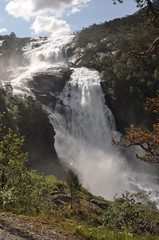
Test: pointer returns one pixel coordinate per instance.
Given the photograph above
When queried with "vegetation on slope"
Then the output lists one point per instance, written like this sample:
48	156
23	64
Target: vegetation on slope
127	80
64	206
147	140
60	204
28	117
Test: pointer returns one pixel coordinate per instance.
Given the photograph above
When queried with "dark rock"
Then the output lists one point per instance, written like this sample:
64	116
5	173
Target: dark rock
58	201
62	196
48	85
125	114
65	198
119	200
69	51
57	193
99	204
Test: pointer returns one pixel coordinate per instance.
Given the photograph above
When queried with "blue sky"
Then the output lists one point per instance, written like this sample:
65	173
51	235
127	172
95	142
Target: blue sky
49	17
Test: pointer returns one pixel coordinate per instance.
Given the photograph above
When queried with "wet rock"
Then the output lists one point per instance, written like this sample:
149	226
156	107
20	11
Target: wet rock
48	85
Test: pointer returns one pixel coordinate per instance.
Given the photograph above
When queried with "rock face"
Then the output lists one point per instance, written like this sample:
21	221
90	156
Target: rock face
47	85
126	116
14	227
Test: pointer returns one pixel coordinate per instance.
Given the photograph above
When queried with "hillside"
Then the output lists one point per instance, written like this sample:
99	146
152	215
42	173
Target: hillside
27	117
92	217
112	48
34	206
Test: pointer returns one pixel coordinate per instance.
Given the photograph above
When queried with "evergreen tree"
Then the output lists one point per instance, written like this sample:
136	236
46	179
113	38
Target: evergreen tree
73	185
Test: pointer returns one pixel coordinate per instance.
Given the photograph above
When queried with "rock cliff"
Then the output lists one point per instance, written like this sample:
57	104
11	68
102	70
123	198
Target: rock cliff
47	85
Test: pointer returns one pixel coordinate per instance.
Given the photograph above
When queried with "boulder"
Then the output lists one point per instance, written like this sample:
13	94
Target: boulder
99	204
48	85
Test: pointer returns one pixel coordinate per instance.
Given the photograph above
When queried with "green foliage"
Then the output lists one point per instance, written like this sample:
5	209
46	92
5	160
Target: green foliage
127	82
130	215
54	183
72	180
28	117
93	232
26	192
21	190
73	185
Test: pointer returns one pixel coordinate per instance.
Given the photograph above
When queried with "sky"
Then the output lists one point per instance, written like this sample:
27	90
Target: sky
49	17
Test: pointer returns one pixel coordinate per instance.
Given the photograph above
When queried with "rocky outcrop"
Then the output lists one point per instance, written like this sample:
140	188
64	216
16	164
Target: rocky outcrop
48	85
126	115
100	204
18	227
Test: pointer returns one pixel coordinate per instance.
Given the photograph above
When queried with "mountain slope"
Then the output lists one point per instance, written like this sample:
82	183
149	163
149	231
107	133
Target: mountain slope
112	48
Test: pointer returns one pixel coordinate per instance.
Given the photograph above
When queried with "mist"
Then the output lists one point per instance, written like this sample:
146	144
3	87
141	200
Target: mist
83	123
84	136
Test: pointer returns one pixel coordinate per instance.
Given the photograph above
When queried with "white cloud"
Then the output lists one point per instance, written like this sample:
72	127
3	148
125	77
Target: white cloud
75	10
2	30
44	24
20	8
30	8
46	13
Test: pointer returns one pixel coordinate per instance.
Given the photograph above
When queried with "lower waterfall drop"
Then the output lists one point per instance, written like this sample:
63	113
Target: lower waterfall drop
84	129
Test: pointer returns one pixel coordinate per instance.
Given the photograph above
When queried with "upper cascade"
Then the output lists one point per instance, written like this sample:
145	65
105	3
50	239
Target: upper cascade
45	53
40	55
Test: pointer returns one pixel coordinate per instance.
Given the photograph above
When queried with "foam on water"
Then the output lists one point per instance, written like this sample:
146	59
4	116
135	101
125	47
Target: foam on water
40	54
83	140
84	125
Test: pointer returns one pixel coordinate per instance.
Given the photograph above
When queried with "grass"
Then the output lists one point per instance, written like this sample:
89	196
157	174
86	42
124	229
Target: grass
88	231
56	184
86	220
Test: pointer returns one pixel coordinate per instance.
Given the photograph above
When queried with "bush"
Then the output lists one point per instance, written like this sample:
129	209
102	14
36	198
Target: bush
21	190
130	215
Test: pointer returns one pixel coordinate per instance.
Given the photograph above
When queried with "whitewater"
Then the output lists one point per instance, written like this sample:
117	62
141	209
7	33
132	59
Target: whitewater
85	126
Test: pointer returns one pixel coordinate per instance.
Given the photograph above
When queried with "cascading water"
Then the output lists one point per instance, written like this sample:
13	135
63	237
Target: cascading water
40	55
84	133
84	125
83	139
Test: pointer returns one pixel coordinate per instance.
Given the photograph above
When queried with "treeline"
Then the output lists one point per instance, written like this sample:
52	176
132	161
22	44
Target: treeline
128	79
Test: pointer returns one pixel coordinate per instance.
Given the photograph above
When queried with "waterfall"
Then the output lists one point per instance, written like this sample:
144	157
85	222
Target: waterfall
84	132
83	140
84	125
40	55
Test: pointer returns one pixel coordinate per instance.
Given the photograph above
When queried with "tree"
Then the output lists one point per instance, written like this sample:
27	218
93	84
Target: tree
147	140
21	190
73	185
152	15
12	35
151	9
142	3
